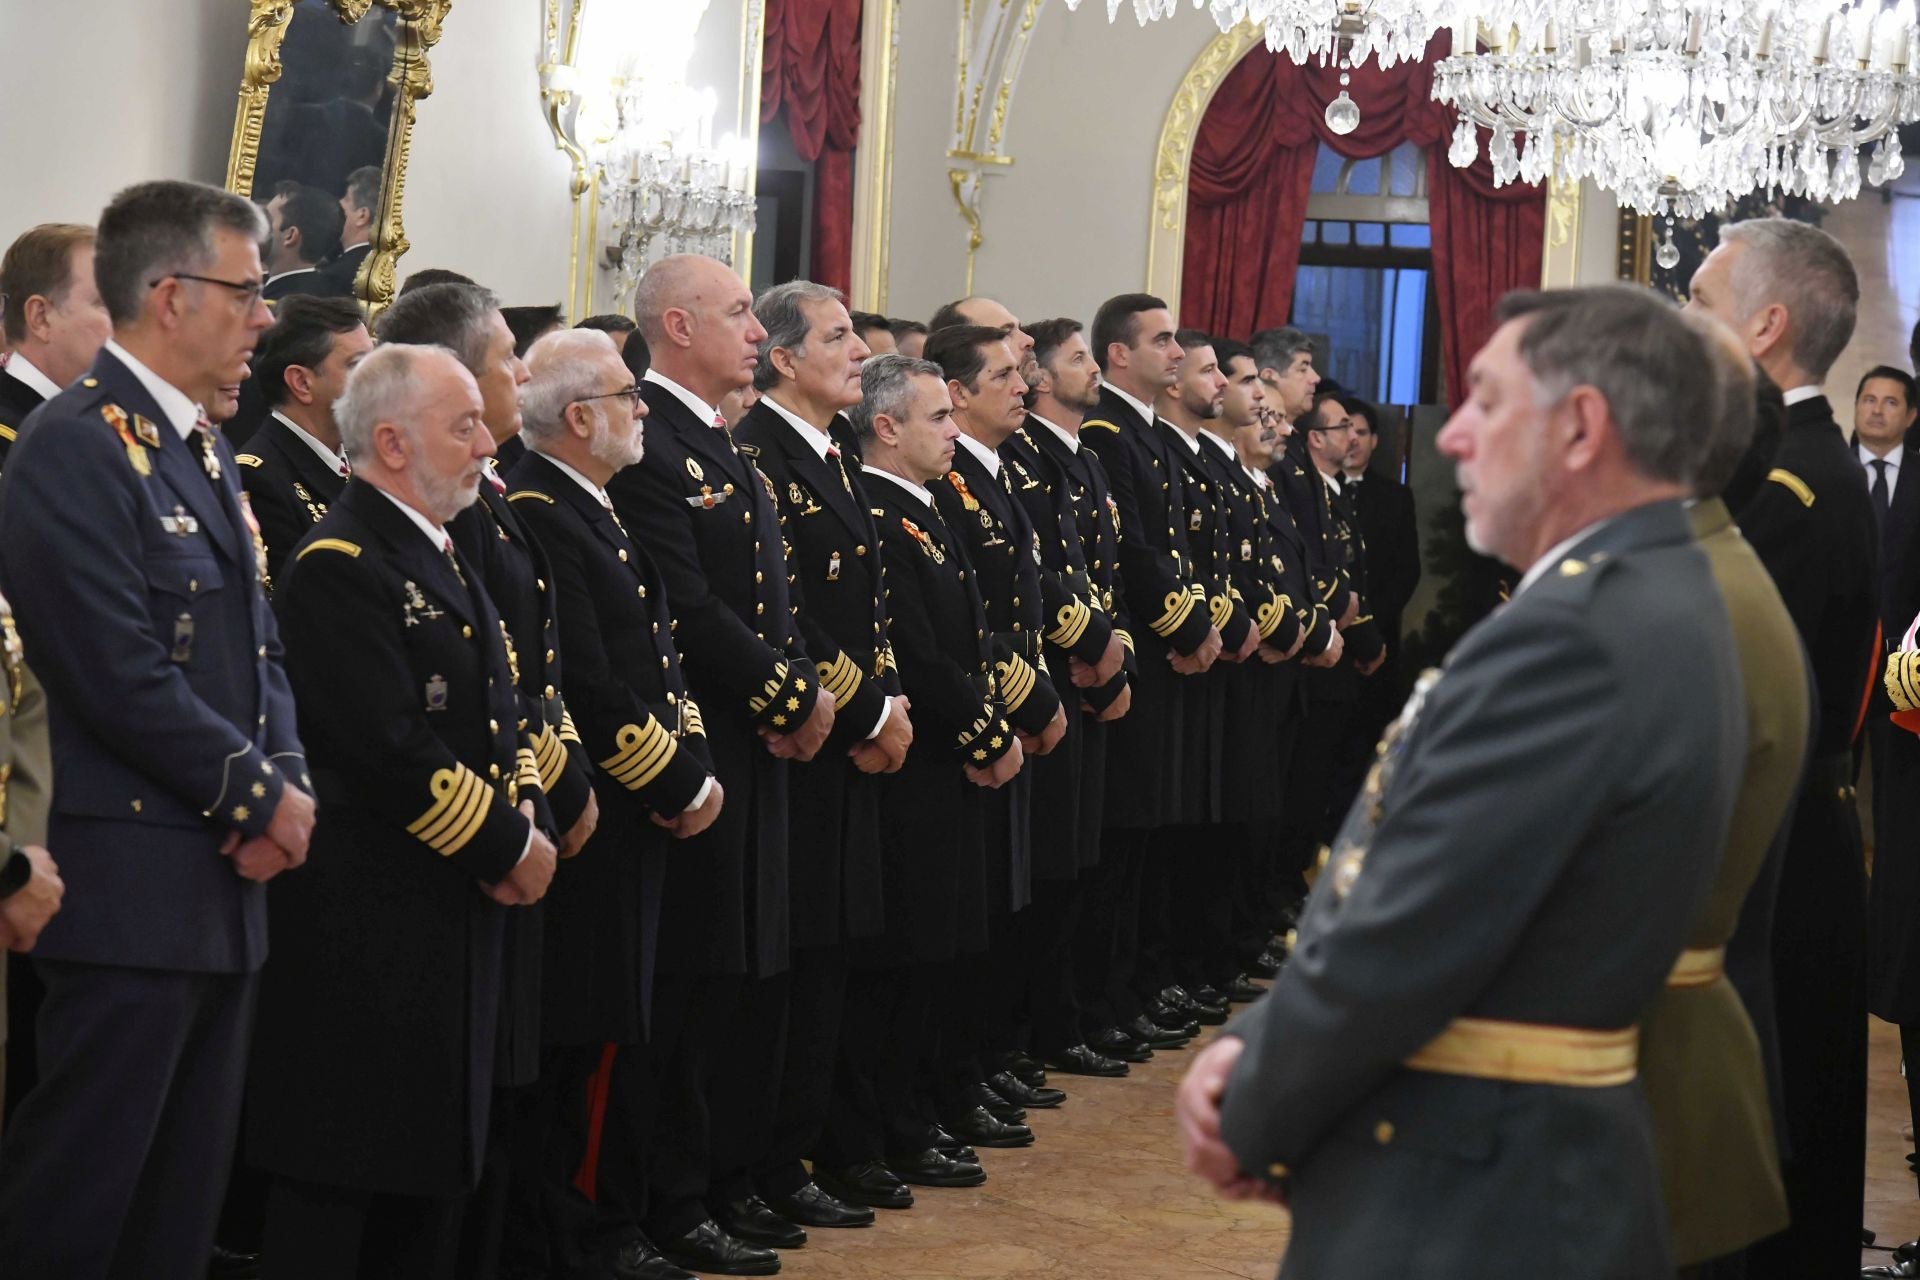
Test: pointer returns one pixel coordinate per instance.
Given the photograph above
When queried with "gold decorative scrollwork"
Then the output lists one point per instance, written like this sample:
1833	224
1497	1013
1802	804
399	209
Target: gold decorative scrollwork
1174	156
418	30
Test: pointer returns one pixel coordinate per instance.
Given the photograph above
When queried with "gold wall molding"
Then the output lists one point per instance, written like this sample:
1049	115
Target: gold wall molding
753	58
1566	212
873	177
417	31
1173	158
994	35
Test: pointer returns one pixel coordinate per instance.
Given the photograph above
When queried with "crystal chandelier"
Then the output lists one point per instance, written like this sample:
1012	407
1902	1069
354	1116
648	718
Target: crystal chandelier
1676	106
619	100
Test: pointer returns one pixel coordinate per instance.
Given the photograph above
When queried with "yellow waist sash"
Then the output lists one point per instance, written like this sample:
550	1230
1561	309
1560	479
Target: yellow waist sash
1699	967
1530	1053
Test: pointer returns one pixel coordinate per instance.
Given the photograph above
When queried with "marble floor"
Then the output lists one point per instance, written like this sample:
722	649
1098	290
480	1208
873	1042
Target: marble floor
1100	1195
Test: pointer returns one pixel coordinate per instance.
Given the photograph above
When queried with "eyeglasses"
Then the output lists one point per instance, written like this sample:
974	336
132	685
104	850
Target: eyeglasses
630	394
249	290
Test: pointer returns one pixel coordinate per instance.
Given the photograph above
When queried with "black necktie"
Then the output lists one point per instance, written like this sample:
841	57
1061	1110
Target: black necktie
1882	496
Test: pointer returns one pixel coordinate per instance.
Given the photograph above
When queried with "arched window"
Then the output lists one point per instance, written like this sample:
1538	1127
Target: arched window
1366	275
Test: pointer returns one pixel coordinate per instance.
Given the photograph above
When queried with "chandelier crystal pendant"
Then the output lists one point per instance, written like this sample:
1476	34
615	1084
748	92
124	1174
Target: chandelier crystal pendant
1676	106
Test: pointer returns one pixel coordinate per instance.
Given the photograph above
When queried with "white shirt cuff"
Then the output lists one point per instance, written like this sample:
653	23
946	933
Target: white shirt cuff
886	709
700	796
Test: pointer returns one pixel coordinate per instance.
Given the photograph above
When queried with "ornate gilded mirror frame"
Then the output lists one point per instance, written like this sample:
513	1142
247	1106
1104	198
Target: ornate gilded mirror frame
417	30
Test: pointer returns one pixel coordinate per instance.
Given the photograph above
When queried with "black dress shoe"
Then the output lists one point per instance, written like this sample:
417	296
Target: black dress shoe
232	1264
1117	1044
709	1250
1083	1061
751	1220
1243	990
1024	1068
984	1129
1905	1262
1020	1093
1195	1008
982	1095
931	1169
1166	1019
812	1207
639	1260
949	1146
871	1184
1211	997
1155	1036
1266	965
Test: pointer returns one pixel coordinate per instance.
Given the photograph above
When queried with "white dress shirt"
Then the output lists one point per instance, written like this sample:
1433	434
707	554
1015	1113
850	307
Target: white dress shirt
817	440
919	491
334	461
1067	438
24	369
175	405
988	458
700	408
1557	552
1868	457
1140	407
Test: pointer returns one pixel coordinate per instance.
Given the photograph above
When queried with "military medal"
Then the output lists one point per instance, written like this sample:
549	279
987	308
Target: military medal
136	455
833	567
1246	548
1193	520
926	544
967	500
693	469
209	459
436	693
180	524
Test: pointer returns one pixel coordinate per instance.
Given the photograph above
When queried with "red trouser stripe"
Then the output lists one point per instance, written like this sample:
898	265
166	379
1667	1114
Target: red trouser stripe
586	1179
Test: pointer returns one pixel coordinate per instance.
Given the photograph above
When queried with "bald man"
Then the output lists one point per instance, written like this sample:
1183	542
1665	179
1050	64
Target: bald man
708	517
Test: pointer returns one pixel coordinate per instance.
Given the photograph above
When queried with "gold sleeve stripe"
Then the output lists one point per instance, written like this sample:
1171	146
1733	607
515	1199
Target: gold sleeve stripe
1799	487
1072	624
643	754
329	544
1126	637
1016	681
567	732
839	677
518	494
550	757
1903	680
988	723
887	658
460	800
1220	609
1178	605
8	433
247	459
770	690
527	769
1268	616
691	717
1332	588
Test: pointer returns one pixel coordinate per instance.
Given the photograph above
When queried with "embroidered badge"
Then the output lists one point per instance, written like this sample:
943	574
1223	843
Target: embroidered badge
833	567
693	469
436	693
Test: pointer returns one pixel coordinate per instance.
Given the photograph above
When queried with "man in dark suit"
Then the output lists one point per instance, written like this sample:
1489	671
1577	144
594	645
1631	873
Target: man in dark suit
709	519
1790	292
1174	636
305	229
359	207
293	465
52	318
809	372
1385	522
934	812
1884	409
372	1111
1562	776
584	415
178	777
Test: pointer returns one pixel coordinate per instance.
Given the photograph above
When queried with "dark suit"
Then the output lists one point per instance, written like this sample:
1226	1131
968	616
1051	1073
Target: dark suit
833	810
933	819
137	586
312	282
1562	777
17	400
341	270
375	1060
288	487
708	518
623	682
1813	528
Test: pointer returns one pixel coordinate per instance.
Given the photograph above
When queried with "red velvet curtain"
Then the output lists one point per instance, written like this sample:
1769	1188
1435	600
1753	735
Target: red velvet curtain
812	71
1253	167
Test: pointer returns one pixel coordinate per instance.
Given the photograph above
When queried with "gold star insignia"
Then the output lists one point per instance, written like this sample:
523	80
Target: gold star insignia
979	755
259	790
995	740
800	686
241	813
793	704
779	720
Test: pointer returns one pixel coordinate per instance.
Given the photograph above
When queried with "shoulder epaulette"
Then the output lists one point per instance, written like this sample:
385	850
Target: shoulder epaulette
247	459
1101	423
1798	487
518	494
329	544
7	432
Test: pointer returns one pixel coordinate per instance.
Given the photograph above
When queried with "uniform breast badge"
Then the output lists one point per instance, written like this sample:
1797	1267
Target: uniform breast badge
801	498
927	544
833	567
182	651
180	524
417	606
967	500
136	454
693	469
436	693
1193	520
